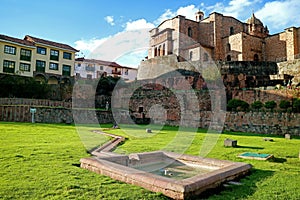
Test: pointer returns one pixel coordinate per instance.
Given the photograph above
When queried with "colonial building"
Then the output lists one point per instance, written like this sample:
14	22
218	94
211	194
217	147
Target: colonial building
45	60
93	69
223	38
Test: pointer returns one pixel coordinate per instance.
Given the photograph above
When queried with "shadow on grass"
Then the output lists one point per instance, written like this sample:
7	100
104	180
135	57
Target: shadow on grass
248	147
278	160
246	189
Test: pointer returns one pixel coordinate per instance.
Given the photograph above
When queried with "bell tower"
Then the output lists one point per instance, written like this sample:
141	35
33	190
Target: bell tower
199	16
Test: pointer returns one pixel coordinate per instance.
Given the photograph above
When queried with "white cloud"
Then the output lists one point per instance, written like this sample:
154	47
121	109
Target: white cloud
278	15
87	46
187	11
110	20
138	24
166	15
234	8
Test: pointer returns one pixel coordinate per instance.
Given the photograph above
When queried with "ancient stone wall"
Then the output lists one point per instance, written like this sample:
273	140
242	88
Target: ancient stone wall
264	95
292	68
18	110
275	48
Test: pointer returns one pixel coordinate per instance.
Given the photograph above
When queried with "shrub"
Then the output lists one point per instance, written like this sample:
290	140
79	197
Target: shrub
296	105
237	104
270	105
257	105
284	104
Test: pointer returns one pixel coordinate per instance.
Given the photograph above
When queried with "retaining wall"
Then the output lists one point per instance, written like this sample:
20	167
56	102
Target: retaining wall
277	123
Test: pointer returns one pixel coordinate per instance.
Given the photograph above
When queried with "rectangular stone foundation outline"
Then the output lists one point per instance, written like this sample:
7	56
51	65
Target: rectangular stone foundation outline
117	167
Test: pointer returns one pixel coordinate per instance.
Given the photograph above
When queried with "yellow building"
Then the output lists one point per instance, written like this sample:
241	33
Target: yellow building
44	60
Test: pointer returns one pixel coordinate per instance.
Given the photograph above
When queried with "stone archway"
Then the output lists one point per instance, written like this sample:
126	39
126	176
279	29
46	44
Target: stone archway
52	80
40	78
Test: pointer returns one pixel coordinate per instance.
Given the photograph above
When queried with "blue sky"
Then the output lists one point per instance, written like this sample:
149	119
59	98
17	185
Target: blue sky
86	24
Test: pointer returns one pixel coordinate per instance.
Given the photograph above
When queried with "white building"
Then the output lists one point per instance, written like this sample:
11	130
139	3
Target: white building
92	69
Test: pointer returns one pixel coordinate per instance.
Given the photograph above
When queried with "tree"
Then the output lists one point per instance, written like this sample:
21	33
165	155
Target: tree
270	105
257	105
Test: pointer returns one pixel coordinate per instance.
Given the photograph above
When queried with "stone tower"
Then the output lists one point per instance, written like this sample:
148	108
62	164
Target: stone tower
256	27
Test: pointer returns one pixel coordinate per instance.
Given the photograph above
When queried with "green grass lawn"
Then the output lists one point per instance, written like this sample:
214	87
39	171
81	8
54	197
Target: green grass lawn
40	161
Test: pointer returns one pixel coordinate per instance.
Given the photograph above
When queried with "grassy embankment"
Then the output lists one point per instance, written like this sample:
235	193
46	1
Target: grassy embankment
40	161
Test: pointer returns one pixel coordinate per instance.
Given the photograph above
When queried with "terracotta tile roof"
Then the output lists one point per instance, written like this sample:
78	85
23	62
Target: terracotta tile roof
16	40
50	43
100	62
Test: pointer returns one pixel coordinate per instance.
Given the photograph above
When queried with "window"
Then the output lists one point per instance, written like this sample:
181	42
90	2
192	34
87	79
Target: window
101	67
191	55
231	30
228	47
24	67
90	68
53	55
159	51
190	33
89	76
53	66
228	58
40	66
256	58
126	72
25	54
66	70
41	50
9	66
67	56
10	49
163	49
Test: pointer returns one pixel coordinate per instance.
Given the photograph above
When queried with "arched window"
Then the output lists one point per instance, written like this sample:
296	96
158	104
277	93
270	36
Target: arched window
155	51
158	51
228	58
256	58
190	32
191	55
228	47
231	30
163	49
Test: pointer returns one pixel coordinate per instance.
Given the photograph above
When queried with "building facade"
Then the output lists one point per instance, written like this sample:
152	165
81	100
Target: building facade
223	38
94	69
45	60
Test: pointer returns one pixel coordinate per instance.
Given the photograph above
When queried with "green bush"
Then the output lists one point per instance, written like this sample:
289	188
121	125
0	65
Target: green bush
237	104
296	105
257	105
284	104
270	105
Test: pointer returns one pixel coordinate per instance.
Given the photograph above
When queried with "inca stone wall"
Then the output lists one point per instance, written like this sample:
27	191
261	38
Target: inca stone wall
258	122
291	68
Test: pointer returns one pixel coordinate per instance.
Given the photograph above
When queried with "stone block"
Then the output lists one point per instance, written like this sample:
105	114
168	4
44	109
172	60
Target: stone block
148	130
230	143
287	136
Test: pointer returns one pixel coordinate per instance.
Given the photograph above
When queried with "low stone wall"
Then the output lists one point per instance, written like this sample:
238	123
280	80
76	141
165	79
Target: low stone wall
276	123
34	102
21	113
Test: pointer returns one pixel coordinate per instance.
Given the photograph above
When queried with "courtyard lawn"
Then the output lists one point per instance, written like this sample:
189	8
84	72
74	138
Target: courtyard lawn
40	161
